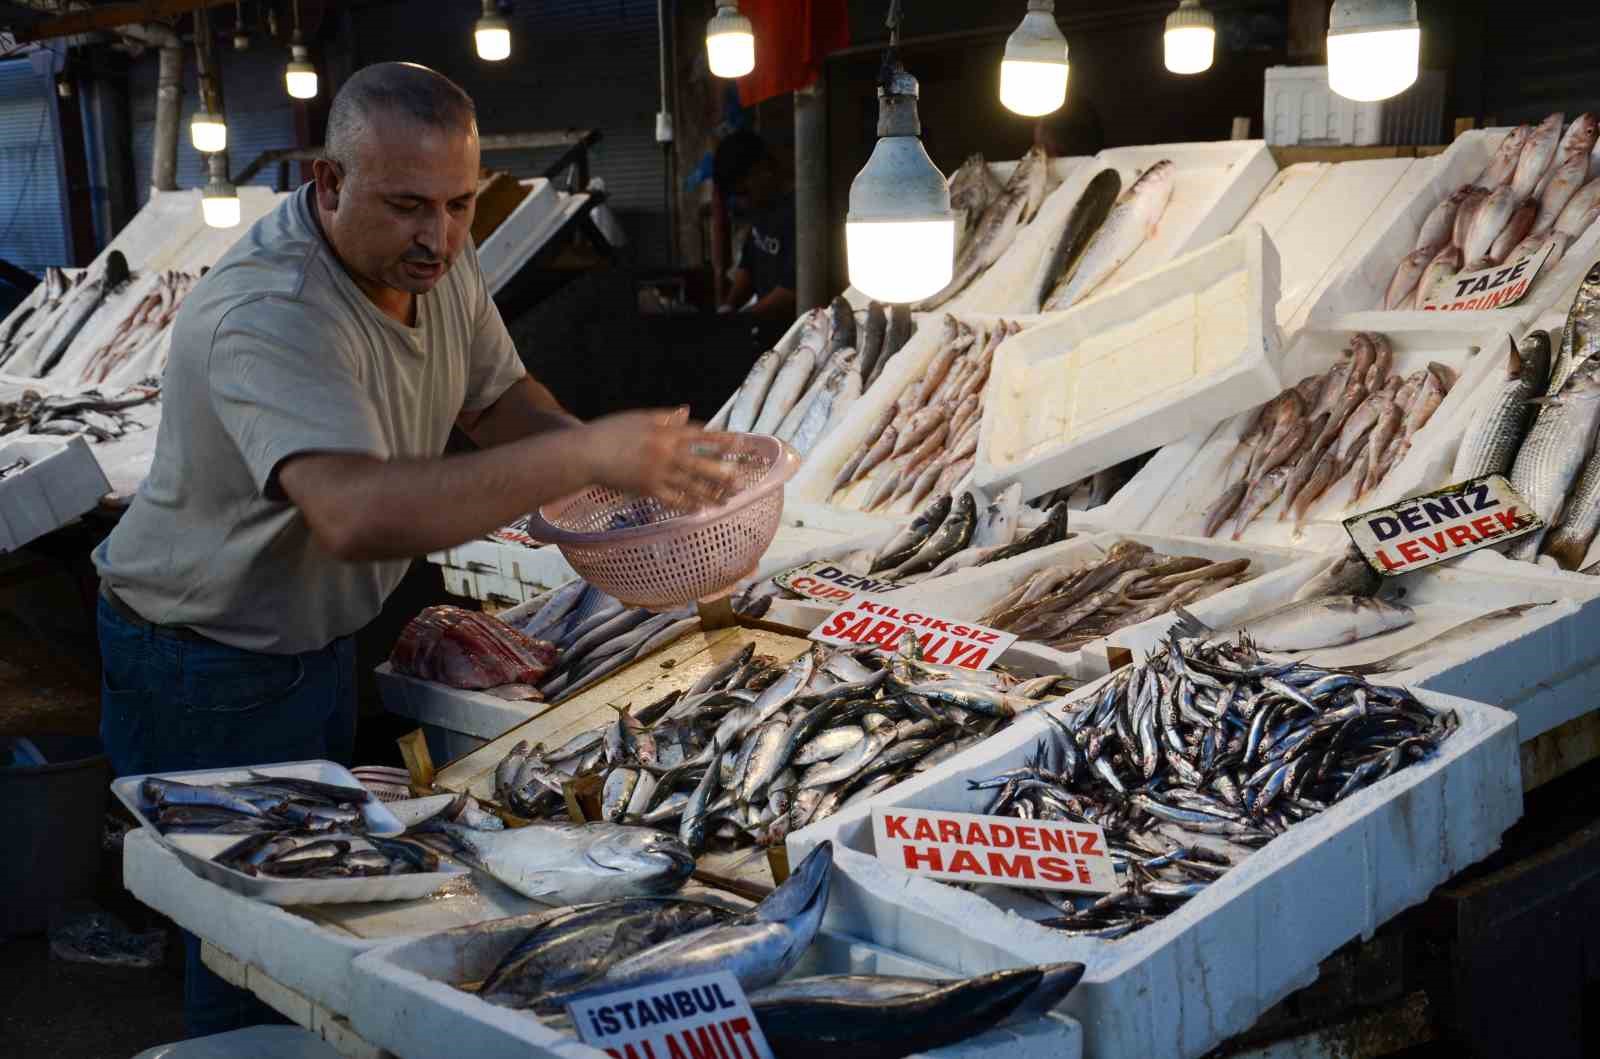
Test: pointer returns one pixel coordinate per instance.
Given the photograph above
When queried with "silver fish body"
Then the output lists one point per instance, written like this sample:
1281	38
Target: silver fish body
1126	228
789	384
747	403
574	863
1087	215
1554	452
1500	423
1537	155
1328	621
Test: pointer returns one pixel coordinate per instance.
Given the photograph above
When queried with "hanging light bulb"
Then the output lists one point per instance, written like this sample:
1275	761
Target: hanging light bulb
208	132
493	34
241	36
1372	48
1033	74
730	42
219	202
299	77
900	233
1191	38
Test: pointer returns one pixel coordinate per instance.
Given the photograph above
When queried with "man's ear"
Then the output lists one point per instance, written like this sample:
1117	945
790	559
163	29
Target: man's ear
329	178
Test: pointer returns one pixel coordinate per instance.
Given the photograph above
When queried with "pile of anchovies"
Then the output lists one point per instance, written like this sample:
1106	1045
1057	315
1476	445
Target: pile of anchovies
102	417
294	827
1199	755
756	749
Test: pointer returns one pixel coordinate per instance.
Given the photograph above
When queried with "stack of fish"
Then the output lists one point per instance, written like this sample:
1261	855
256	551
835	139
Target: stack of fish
1101	236
1073	604
32	324
802	395
755	749
1355	421
572	953
102	417
1537	424
1199	755
139	345
16	466
990	216
925	443
293	827
1540	189
950	534
596	634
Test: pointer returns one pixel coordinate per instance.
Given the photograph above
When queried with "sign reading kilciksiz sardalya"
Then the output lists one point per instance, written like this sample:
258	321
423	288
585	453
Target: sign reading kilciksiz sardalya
867	621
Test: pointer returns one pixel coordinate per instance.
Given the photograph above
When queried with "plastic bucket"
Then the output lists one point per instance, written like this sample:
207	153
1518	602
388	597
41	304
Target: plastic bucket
55	814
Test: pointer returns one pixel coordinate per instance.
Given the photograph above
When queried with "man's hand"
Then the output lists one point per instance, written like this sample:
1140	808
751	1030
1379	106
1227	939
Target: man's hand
657	454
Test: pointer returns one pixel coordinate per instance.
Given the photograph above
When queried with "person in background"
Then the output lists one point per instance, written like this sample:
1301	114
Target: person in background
757	190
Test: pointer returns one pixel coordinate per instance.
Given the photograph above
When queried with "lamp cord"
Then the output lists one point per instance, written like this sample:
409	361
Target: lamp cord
891	54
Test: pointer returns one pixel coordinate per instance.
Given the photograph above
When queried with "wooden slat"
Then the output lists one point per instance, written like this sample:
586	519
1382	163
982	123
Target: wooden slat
1560	750
109	16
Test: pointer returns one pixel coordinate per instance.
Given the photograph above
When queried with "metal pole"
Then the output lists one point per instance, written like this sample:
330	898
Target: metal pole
169	106
812	230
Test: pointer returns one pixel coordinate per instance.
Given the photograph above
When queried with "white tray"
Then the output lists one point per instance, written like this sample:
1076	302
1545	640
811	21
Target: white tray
196	851
61	482
1354	301
1207	972
1164	361
1171	493
405	1000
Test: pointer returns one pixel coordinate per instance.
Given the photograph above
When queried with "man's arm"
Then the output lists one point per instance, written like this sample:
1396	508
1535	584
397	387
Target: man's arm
526	409
778	303
361	508
743	286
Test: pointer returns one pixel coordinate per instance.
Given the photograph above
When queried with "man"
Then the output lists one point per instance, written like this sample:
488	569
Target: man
314	377
755	188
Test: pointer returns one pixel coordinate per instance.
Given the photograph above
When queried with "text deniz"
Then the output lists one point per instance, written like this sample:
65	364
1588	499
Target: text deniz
830	583
703	1017
867	621
1442	525
965	847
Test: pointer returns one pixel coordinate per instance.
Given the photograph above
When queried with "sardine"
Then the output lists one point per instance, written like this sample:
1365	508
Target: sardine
786	389
1501	421
1131	222
747	403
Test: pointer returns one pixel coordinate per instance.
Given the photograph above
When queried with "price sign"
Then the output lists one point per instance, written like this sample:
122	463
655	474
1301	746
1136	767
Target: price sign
1489	288
706	1015
966	847
1441	525
867	621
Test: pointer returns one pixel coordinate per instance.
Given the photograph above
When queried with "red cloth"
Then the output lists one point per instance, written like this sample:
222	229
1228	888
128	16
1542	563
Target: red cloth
792	39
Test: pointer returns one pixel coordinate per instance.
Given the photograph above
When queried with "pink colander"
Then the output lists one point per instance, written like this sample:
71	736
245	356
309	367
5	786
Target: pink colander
649	555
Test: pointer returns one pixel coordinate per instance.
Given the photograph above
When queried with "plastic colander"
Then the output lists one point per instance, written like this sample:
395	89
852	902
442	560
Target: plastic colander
649	555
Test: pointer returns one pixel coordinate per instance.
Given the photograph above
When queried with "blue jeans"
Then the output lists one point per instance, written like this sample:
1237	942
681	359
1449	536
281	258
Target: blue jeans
169	703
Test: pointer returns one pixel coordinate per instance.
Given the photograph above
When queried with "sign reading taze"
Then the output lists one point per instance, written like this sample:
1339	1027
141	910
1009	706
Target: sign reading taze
1487	288
703	1017
965	847
1441	525
865	621
830	582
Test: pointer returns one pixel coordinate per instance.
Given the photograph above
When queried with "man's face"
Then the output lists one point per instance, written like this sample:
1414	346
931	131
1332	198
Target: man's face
759	189
399	216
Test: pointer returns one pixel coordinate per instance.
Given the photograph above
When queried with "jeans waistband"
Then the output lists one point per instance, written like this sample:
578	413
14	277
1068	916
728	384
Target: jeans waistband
133	617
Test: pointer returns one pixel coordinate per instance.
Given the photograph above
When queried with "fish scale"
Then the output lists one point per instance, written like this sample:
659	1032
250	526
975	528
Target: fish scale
1554	452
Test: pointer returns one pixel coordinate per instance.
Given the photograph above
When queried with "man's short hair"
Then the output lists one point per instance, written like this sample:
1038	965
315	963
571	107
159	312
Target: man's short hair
736	155
404	90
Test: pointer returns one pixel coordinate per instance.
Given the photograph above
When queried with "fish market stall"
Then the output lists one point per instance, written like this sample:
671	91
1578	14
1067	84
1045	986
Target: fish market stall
1190	962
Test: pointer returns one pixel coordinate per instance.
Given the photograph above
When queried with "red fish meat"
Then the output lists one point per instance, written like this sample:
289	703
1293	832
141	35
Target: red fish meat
467	649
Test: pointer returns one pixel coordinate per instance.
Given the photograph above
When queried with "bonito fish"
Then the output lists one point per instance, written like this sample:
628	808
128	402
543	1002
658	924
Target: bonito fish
1087	215
1495	433
573	863
1131	222
1555	450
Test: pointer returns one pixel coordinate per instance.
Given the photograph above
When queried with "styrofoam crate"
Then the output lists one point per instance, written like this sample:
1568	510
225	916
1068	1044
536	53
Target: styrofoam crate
1354	301
1171	493
1321	214
506	248
62	481
458	582
1193	342
1300	108
1207	972
405	999
472	713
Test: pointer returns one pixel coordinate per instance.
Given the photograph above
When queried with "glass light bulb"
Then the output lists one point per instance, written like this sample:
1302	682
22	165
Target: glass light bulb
1033	89
209	133
1190	48
494	43
731	54
900	261
220	211
301	82
1372	66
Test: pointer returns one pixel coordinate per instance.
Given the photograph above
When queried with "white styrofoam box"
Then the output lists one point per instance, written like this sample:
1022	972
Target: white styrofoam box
1206	972
500	253
1216	184
307	947
809	499
1354	301
199	851
539	568
1193	342
1318	214
61	482
169	231
458	582
472	713
405	999
1300	108
1172	493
